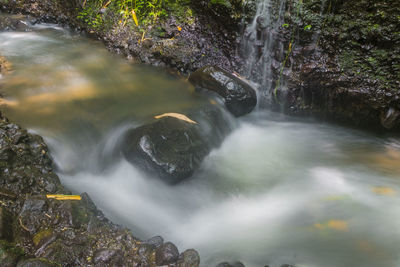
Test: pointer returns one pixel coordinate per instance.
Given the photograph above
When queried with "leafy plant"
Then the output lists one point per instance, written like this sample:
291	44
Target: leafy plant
136	12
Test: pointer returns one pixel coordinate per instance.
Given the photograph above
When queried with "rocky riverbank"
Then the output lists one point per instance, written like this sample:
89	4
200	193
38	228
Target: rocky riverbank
192	38
39	231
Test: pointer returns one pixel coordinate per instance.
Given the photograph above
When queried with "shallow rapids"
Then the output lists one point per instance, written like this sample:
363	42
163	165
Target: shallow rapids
278	191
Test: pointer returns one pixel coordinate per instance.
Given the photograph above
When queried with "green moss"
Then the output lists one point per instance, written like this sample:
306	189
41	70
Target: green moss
224	3
42	235
7	250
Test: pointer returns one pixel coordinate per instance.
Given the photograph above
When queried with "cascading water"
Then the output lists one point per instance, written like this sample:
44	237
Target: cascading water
278	191
262	45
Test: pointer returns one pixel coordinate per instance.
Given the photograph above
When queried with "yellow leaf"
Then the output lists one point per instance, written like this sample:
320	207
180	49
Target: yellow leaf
134	17
179	28
175	115
337	225
387	191
64	197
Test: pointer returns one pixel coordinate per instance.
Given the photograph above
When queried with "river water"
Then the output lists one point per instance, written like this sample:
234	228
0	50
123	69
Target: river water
278	190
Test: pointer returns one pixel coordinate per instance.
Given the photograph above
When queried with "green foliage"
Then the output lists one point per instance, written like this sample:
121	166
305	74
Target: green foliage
135	12
225	3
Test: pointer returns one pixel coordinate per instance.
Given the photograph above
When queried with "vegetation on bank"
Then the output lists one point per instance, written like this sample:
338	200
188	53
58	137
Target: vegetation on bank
101	14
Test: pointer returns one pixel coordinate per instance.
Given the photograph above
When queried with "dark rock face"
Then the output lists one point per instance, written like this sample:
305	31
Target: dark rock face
346	66
166	254
240	97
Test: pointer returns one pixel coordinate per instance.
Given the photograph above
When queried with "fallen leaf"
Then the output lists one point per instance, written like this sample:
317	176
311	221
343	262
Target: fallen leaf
64	197
386	191
179	28
176	115
337	225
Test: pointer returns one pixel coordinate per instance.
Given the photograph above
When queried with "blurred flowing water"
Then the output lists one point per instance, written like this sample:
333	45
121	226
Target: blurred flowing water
279	190
262	45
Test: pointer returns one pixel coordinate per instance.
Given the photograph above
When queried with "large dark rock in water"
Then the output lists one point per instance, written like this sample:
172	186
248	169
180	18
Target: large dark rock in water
172	147
240	97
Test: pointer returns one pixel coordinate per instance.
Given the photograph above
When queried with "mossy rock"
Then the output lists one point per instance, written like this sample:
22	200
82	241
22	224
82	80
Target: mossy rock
9	254
42	236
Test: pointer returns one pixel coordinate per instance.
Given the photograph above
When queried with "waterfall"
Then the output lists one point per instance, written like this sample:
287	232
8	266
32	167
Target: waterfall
262	46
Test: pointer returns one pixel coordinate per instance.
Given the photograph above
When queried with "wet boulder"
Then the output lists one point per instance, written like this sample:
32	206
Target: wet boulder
170	148
189	258
239	96
14	23
167	254
155	241
174	146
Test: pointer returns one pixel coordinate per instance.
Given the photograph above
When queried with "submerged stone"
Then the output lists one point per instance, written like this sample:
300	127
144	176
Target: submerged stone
239	96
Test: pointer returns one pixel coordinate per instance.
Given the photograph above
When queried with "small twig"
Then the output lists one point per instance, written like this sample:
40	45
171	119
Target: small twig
22	225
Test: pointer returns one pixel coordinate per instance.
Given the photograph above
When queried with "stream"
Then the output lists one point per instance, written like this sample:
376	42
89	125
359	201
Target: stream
279	190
